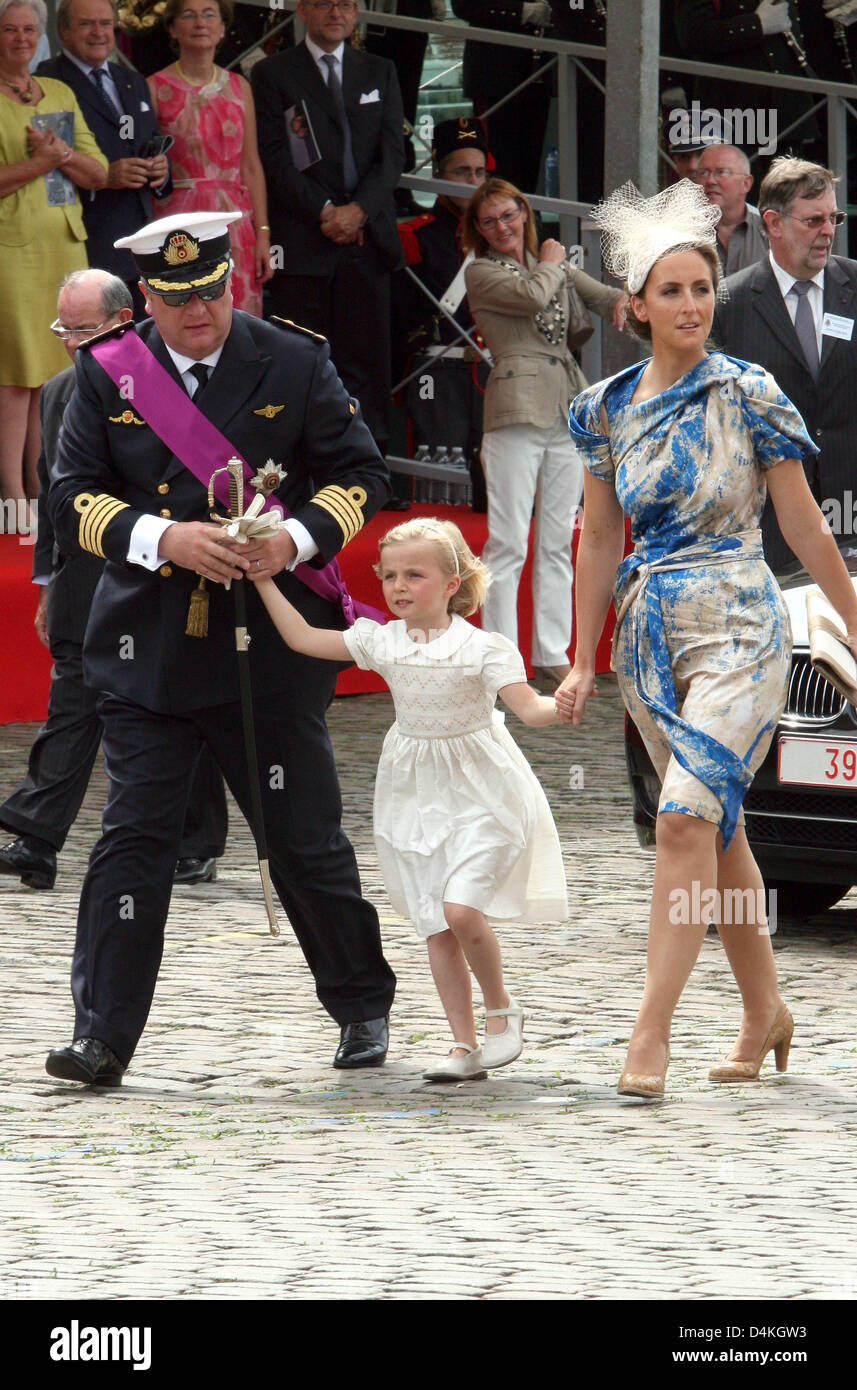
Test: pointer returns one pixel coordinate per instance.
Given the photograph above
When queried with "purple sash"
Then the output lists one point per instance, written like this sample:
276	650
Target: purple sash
199	445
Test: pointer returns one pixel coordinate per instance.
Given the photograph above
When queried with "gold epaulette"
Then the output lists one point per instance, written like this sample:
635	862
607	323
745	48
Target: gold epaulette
299	328
345	506
96	511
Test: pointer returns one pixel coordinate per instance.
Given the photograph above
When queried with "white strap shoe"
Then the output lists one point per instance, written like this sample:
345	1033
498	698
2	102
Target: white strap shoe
469	1068
499	1049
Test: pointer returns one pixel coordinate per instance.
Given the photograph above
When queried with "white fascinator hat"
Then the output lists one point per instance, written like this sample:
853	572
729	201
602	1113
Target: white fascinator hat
637	231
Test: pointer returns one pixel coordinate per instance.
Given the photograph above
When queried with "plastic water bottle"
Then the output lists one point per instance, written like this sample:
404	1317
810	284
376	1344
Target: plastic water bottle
552	173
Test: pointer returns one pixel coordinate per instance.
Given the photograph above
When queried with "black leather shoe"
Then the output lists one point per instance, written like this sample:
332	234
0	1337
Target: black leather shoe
195	871
362	1044
35	868
87	1060
397	504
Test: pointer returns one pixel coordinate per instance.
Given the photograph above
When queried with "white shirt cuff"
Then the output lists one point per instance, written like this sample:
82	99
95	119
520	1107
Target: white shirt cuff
144	542
307	547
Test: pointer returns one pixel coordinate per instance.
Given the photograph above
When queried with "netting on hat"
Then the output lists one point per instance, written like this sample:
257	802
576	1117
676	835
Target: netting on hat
637	231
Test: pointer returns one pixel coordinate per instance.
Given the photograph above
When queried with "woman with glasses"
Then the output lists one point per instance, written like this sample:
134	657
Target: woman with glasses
519	295
215	158
47	152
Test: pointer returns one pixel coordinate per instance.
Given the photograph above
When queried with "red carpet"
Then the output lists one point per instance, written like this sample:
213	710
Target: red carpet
27	665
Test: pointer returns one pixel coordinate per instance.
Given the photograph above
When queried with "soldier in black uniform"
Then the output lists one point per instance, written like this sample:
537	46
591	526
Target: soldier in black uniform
119	492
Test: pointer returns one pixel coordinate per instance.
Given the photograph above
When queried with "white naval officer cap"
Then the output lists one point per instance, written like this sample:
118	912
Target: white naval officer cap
185	251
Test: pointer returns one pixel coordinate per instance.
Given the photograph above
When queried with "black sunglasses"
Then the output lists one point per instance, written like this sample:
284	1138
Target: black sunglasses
179	297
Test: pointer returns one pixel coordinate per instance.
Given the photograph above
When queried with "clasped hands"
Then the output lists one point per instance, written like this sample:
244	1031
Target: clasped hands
133	172
343	224
258	547
46	147
570	699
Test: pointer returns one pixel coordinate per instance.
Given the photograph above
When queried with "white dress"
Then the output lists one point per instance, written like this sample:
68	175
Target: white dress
459	815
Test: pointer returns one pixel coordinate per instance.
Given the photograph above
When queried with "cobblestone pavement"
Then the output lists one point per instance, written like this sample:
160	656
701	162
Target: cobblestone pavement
236	1163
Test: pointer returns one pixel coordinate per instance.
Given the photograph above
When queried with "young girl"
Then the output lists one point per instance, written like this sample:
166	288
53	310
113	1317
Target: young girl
463	829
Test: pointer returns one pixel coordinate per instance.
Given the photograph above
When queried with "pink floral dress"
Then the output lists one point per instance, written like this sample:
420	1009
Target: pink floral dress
207	124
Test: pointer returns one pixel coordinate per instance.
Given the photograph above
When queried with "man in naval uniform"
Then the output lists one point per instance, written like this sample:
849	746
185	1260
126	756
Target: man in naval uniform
119	492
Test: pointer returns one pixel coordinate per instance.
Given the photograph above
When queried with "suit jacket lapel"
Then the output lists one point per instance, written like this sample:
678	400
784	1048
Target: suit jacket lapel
241	366
838	299
317	89
87	93
235	379
770	304
125	90
352	78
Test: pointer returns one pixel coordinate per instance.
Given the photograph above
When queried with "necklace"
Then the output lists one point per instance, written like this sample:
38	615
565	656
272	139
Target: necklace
27	94
206	82
550	321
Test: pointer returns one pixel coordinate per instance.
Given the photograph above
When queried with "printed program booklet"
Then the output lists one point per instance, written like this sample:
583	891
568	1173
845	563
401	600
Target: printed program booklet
302	142
60	188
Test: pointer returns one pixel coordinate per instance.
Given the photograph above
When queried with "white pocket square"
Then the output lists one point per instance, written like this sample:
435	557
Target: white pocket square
366	97
144	106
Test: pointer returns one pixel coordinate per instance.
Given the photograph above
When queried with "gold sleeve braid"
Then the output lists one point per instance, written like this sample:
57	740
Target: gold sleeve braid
96	511
345	506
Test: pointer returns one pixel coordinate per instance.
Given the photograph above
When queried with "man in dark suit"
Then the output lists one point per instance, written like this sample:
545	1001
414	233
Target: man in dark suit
335	221
793	312
115	102
43	809
120	492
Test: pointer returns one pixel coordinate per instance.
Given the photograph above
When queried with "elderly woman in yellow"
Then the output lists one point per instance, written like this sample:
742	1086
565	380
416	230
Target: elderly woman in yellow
46	149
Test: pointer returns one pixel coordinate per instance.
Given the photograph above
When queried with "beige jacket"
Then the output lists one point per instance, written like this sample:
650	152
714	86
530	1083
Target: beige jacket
533	381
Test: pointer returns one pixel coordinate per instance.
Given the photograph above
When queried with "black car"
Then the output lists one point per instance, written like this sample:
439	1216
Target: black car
801	809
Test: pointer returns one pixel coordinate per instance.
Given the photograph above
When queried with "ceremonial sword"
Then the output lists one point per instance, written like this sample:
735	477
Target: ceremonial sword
235	469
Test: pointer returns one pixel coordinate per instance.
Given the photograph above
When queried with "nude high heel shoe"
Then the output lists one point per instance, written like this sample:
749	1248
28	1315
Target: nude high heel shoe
779	1038
650	1085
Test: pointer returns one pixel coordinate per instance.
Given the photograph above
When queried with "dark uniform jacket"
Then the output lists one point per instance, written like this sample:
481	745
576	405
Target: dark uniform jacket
74	573
276	396
373	104
729	32
432	247
112	213
754	324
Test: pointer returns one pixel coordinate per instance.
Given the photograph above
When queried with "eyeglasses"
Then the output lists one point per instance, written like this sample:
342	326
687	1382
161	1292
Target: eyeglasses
178	297
702	174
207	15
328	6
61	330
487	224
463	173
815	223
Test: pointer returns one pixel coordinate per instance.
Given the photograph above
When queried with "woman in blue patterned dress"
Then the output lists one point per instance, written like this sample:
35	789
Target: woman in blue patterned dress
686	443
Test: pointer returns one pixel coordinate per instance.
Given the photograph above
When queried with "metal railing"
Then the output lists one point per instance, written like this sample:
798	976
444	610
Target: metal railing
836	99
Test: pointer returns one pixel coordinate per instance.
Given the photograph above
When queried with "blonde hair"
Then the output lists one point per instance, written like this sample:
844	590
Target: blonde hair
454	557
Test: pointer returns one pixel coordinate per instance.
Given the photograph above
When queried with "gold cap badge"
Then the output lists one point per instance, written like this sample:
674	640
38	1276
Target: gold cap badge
180	249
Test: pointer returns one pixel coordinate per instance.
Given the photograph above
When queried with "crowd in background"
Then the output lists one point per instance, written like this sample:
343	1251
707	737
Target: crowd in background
198	140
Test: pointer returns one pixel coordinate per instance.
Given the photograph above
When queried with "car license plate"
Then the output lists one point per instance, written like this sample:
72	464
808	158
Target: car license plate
817	762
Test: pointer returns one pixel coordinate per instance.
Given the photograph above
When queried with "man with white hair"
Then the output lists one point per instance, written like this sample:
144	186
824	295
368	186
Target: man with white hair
724	173
43	809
